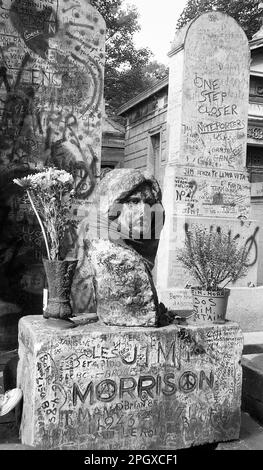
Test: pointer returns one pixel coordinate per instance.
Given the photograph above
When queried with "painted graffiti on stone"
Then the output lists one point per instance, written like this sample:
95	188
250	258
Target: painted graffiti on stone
141	388
226	195
51	92
215	98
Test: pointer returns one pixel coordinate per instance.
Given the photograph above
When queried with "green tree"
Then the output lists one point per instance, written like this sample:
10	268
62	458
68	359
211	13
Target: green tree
245	12
125	67
155	71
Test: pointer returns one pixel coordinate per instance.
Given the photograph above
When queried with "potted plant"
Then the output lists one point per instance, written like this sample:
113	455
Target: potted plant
50	193
214	258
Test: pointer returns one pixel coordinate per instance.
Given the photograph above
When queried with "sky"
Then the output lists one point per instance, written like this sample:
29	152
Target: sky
158	20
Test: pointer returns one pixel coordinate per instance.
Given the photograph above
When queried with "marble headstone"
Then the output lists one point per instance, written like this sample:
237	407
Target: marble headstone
206	181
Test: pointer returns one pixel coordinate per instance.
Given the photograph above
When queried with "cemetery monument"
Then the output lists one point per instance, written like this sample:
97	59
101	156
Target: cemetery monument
111	385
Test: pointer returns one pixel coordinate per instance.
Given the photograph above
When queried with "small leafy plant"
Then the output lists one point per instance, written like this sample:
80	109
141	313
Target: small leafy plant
213	257
50	193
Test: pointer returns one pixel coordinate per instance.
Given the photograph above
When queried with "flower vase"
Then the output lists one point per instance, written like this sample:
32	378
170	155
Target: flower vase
59	279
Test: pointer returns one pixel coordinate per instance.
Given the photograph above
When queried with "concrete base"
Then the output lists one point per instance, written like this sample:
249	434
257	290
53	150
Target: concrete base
98	387
251	436
252	391
245	306
253	342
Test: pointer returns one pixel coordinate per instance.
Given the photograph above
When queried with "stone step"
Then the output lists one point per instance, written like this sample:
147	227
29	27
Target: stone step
245	307
253	342
252	390
251	436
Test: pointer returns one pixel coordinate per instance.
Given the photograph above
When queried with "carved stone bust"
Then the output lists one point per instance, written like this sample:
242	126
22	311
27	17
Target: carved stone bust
117	249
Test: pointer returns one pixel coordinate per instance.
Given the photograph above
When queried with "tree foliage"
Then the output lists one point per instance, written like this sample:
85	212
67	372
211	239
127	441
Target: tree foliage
155	71
126	65
245	12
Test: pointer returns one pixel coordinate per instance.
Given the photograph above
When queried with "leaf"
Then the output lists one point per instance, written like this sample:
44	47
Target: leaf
213	257
128	69
245	12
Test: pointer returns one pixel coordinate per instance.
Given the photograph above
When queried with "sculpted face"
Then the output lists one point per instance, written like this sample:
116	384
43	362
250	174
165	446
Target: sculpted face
126	222
130	210
136	215
140	222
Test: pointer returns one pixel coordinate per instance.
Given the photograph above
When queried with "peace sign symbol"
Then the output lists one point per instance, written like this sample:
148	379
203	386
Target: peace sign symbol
106	390
188	382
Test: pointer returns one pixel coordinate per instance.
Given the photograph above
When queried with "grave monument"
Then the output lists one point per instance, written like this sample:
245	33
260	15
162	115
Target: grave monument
51	99
123	382
205	180
107	387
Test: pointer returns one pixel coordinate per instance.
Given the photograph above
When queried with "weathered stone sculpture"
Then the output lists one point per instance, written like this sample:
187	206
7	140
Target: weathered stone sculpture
117	250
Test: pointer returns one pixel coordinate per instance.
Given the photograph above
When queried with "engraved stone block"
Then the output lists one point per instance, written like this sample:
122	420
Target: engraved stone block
98	387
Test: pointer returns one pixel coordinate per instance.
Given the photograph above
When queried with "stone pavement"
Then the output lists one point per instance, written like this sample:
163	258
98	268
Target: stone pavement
251	436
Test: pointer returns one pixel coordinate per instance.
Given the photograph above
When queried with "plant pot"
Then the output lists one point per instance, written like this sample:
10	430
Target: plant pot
209	306
59	278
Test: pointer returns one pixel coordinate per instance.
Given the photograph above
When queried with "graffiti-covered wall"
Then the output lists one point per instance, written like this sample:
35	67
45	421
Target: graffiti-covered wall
51	94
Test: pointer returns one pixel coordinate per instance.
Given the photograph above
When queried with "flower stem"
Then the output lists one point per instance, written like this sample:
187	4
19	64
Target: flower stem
40	223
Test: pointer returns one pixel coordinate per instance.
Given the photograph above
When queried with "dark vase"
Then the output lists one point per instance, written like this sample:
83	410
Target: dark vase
59	278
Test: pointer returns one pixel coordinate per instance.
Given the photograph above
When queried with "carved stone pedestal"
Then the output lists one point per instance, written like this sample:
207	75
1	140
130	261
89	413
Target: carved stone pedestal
99	387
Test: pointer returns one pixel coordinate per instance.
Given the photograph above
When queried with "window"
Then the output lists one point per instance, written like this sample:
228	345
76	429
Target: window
154	150
255	163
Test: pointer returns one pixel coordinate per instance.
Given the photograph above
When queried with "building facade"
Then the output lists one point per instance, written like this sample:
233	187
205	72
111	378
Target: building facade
113	142
146	130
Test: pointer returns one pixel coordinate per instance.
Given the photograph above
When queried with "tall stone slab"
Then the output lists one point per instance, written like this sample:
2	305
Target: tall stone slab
206	181
52	55
51	99
93	387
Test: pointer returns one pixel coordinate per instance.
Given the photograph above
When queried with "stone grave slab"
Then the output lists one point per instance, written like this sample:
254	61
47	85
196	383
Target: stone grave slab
98	387
51	107
205	177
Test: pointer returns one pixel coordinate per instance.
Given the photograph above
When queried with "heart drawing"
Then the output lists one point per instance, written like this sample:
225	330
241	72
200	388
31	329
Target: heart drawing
34	26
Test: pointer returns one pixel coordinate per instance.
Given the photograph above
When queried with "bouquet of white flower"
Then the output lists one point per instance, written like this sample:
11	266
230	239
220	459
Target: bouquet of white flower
50	193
